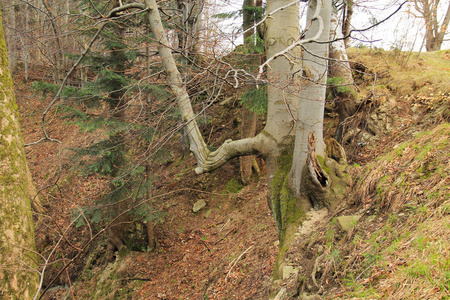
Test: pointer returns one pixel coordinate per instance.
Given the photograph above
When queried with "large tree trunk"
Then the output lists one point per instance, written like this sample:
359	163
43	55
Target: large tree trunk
312	97
284	83
285	122
18	279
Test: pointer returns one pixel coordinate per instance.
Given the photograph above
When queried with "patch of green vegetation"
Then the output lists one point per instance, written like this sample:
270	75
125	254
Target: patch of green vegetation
445	209
234	186
426	149
330	235
340	85
382	184
359	290
401	148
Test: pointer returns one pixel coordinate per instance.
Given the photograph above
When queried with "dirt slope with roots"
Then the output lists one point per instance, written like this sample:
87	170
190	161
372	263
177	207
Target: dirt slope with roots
398	244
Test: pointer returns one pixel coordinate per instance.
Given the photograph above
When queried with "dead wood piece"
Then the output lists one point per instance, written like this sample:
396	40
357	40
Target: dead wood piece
318	175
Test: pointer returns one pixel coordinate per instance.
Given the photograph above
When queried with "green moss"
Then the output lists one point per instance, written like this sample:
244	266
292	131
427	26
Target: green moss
16	223
284	163
321	161
285	207
340	85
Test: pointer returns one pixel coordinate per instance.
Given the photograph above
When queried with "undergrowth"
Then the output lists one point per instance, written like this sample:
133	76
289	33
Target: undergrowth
400	249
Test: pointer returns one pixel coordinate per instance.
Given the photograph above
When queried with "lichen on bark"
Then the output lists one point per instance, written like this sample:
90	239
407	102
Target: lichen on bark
18	279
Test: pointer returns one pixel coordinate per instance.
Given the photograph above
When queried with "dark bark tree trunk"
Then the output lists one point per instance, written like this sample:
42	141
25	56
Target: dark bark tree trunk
248	164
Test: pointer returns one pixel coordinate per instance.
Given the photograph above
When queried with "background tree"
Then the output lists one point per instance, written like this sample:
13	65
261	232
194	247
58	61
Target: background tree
340	72
252	13
113	94
434	32
347	14
18	279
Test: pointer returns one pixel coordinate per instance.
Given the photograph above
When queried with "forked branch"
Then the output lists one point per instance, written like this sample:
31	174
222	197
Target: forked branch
206	160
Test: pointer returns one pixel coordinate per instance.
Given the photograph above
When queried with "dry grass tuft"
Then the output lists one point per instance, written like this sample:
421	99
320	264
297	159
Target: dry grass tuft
414	173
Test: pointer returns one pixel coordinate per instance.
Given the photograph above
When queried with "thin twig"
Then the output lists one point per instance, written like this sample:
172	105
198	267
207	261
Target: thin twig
235	262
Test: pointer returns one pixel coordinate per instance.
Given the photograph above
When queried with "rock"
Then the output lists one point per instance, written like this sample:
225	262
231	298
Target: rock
347	222
288	270
198	205
207	213
320	249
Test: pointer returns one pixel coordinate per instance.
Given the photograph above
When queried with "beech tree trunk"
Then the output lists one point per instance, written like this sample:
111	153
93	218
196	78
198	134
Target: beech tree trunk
292	141
18	280
312	96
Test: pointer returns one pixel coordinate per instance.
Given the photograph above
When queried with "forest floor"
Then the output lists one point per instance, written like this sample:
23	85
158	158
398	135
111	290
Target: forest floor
399	248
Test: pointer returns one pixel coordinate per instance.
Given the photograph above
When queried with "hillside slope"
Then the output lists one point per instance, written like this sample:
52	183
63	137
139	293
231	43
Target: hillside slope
391	238
397	245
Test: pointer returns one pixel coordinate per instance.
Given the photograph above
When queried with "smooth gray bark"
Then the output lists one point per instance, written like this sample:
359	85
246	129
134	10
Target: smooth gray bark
312	96
296	98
